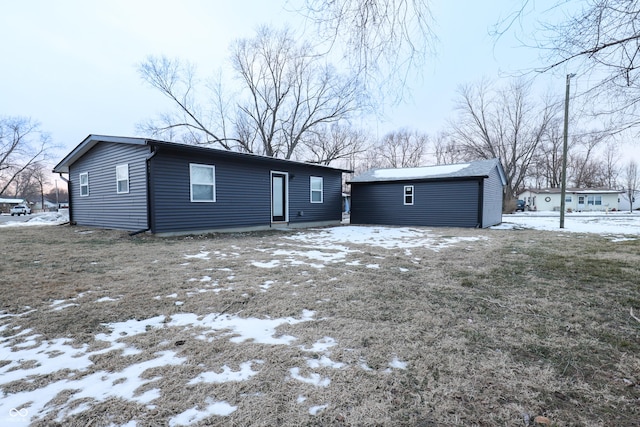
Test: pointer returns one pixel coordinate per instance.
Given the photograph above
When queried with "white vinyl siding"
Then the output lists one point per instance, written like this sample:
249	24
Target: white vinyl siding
122	179
408	194
203	183
317	185
84	184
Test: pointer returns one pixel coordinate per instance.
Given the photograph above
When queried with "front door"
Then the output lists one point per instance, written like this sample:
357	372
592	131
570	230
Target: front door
581	203
278	196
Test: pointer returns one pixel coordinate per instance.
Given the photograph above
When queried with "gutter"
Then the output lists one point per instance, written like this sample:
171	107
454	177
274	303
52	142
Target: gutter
69	192
151	155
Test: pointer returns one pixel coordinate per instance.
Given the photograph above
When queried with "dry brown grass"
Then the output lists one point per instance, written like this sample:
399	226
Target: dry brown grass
493	332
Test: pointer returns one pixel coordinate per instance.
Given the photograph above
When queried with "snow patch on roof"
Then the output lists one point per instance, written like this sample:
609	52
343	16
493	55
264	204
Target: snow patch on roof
419	172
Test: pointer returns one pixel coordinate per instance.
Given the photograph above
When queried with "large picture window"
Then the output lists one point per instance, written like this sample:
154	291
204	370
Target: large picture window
84	184
316	189
594	200
203	183
408	194
122	178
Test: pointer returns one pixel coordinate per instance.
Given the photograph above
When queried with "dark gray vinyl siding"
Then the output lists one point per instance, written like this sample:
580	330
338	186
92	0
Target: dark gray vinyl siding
104	207
243	193
492	200
300	207
436	203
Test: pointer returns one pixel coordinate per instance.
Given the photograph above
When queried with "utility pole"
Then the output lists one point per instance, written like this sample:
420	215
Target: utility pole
563	188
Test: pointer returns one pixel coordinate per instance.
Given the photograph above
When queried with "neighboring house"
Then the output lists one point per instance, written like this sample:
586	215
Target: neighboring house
48	205
576	199
623	201
6	204
140	185
461	195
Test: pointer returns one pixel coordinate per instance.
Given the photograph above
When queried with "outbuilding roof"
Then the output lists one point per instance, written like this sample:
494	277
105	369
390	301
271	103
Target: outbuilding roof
90	141
474	169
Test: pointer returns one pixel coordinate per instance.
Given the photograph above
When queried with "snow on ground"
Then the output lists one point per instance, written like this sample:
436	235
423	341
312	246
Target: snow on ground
26	355
617	225
47	218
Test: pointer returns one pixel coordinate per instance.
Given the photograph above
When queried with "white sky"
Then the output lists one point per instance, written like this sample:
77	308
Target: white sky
72	64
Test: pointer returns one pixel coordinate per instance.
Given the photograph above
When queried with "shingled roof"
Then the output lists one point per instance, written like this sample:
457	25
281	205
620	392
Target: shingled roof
475	169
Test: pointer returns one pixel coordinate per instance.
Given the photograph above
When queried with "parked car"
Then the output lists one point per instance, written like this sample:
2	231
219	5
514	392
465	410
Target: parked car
520	206
20	210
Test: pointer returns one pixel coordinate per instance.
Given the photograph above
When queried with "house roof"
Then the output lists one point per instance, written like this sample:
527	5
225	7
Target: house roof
573	191
475	169
9	201
91	140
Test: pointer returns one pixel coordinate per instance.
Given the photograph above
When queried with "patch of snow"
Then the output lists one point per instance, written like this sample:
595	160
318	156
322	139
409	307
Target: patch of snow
271	264
200	255
227	374
105	299
193	415
397	364
420	172
314	410
324	361
321	345
313	378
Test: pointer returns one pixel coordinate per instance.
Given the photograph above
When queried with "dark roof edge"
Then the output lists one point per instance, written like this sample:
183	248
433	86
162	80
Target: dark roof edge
238	154
91	140
442	178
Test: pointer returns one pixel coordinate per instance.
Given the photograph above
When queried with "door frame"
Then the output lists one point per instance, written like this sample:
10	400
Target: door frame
285	201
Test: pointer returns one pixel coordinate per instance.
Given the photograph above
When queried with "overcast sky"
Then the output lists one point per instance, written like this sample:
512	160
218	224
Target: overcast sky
72	64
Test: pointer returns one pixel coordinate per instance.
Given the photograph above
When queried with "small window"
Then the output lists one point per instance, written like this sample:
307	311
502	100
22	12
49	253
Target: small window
203	183
84	184
567	199
408	194
122	178
598	200
316	189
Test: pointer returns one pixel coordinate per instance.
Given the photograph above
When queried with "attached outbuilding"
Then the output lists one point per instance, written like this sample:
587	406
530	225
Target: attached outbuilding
459	195
140	184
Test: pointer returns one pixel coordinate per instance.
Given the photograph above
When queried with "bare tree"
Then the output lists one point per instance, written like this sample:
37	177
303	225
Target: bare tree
22	144
290	91
599	39
632	181
501	123
546	166
584	165
445	150
287	95
610	165
335	142
401	149
382	40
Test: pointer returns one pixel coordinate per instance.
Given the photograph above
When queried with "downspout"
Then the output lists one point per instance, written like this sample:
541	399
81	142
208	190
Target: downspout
153	152
69	193
480	202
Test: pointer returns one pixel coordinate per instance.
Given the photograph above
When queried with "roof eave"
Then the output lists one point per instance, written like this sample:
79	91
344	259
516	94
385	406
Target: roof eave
87	144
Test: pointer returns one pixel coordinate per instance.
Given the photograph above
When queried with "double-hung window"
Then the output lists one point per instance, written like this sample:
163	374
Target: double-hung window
84	184
122	179
203	182
316	184
408	194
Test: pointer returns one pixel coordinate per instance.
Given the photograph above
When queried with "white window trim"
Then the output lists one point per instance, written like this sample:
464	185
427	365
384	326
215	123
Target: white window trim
191	183
126	165
83	185
404	196
321	190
